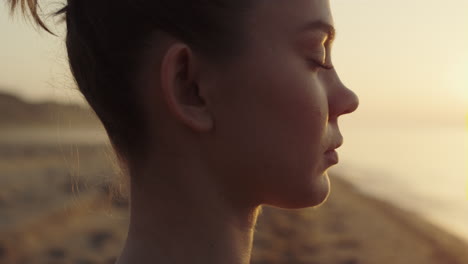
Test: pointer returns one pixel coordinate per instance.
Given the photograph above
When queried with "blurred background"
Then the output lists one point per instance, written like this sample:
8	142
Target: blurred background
399	193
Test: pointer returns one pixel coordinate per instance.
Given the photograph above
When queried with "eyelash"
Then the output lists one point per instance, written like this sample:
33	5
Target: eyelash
316	64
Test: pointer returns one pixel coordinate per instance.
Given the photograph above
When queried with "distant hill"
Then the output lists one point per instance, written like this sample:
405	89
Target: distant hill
14	111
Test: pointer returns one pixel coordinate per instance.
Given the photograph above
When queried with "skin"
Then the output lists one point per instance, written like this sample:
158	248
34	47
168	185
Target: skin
231	138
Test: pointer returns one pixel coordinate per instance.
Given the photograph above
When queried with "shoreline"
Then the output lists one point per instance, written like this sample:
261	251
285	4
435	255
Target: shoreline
354	227
443	240
73	225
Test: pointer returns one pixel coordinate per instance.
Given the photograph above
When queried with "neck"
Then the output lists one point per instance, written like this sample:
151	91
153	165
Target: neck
179	215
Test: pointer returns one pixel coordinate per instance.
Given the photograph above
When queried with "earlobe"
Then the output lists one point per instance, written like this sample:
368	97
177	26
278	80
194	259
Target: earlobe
180	89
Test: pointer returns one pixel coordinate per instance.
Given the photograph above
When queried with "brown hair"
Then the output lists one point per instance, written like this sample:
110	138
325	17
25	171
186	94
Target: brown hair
106	40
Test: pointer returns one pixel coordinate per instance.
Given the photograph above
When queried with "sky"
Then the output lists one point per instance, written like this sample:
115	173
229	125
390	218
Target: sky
405	59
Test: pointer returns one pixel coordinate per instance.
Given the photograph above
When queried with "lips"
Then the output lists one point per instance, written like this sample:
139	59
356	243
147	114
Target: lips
331	157
335	145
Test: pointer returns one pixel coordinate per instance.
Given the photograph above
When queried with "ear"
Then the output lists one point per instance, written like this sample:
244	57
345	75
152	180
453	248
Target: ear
180	88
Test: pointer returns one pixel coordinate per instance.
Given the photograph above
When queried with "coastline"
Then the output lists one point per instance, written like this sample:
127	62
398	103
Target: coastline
71	219
354	227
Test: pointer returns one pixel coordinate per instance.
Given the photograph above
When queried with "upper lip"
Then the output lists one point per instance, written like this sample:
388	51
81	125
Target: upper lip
336	145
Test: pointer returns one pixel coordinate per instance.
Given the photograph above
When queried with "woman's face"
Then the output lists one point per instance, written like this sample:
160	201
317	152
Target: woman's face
275	110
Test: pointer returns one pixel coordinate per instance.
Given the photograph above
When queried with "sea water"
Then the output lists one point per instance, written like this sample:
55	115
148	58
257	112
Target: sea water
420	168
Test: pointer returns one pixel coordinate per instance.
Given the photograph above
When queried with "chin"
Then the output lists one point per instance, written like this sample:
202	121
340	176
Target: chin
314	195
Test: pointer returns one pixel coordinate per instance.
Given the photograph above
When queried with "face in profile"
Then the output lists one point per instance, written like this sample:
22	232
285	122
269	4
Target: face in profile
277	107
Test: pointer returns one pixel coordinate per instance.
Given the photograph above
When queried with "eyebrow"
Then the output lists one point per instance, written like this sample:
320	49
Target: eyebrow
322	26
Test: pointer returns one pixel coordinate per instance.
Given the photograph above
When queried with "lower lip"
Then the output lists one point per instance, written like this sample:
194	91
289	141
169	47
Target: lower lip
331	156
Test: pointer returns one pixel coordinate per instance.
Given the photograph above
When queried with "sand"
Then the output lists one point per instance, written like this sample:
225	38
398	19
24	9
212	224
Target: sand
55	208
350	228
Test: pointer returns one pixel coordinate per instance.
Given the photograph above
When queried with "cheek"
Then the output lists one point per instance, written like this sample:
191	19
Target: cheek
270	129
291	122
283	129
298	116
297	110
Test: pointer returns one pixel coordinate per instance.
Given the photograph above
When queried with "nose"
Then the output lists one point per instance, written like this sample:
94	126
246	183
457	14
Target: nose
342	100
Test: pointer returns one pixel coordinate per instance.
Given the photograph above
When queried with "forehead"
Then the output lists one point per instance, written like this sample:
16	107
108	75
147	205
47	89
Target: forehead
289	16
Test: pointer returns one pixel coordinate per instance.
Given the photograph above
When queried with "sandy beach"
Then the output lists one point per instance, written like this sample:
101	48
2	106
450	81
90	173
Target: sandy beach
55	207
353	228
